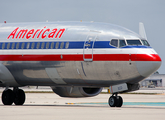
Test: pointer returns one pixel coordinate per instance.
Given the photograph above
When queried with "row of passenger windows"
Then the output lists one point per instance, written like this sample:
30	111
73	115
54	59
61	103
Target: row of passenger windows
35	45
122	43
62	45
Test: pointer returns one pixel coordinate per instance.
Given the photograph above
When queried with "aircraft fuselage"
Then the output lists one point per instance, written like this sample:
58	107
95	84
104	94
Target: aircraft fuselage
73	54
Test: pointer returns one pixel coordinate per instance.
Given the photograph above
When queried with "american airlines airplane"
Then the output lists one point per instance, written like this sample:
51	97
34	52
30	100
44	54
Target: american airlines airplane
76	59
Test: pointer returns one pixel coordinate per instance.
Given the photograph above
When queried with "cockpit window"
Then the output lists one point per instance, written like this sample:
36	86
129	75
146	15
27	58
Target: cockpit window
122	43
134	42
145	43
114	42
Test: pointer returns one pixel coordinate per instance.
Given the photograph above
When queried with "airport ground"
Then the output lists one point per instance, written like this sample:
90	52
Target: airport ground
49	106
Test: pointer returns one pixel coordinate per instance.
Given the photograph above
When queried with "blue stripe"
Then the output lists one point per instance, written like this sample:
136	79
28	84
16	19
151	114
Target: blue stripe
135	46
76	45
133	103
103	44
72	45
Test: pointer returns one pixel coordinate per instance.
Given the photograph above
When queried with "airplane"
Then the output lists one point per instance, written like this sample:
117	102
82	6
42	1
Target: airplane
76	59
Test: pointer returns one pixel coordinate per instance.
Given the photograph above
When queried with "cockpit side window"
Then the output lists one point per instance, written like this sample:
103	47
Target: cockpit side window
145	43
114	42
134	42
122	43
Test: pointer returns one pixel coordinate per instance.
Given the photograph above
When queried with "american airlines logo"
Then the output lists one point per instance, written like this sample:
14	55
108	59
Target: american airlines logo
38	33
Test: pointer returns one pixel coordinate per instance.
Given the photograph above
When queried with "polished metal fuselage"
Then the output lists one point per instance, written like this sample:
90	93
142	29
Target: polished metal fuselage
73	73
87	71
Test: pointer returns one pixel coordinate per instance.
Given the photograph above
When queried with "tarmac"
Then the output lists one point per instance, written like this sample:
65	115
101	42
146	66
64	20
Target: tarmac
49	106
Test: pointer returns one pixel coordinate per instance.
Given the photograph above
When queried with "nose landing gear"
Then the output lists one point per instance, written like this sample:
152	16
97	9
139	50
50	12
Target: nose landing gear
115	101
17	96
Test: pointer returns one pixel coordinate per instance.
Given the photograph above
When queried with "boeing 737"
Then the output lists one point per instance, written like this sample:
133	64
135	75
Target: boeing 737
76	59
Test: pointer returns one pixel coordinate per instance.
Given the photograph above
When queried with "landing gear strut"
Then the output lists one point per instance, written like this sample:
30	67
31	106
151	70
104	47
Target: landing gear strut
17	96
115	101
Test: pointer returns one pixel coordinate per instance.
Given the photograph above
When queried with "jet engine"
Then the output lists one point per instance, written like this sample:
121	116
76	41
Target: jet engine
76	91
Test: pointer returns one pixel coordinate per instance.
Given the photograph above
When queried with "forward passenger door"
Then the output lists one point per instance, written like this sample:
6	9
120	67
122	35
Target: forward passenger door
88	47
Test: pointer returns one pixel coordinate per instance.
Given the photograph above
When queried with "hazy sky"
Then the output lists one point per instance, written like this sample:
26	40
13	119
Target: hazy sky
126	13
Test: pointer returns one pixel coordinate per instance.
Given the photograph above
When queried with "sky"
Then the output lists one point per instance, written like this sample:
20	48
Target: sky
126	13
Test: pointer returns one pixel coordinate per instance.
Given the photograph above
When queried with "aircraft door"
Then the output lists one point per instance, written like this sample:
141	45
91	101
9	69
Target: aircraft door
88	48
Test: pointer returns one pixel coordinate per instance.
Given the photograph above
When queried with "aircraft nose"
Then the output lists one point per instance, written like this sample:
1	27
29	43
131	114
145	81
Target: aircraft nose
147	63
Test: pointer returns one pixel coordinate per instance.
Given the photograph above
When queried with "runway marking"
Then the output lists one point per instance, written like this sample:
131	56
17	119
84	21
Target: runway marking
145	103
125	103
70	103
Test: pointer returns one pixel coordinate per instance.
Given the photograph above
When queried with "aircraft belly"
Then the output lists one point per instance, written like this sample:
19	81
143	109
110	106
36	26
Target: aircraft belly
78	73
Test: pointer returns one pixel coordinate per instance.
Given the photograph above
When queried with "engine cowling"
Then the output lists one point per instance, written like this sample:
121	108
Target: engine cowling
76	91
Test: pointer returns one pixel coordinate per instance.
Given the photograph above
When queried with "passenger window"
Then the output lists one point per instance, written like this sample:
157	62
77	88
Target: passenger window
8	45
62	45
23	44
67	45
3	45
42	46
145	43
57	44
17	46
134	42
13	44
27	45
114	42
38	45
47	45
32	47
122	43
52	45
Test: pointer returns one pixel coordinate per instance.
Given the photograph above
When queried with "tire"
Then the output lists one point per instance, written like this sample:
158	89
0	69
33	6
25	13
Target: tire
112	101
8	97
19	97
119	101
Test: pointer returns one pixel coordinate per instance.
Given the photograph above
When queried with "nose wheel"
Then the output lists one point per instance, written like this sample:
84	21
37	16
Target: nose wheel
16	96
115	101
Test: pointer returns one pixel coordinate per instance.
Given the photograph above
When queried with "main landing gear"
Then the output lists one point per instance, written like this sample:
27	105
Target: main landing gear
115	101
17	96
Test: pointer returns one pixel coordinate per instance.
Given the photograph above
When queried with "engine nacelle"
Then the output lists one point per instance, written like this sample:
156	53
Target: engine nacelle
76	91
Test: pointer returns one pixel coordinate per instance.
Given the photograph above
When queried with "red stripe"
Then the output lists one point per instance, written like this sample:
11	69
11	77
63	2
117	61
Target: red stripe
96	57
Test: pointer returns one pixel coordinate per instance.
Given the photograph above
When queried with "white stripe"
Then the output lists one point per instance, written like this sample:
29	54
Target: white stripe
77	51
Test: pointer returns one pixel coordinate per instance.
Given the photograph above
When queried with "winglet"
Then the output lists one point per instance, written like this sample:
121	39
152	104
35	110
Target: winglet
142	32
